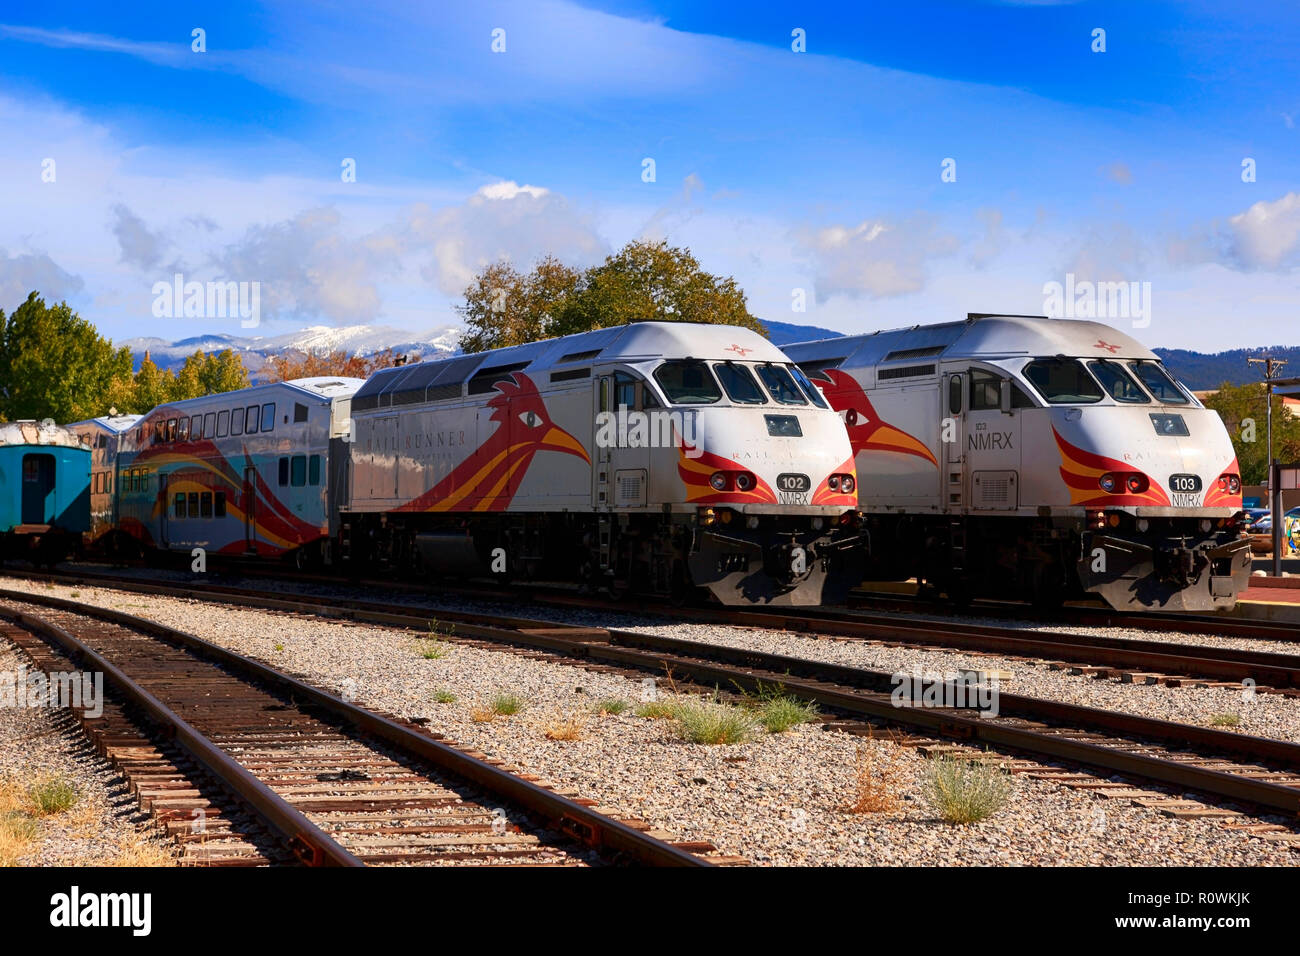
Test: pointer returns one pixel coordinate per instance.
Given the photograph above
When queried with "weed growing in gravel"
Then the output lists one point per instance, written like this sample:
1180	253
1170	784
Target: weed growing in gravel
568	727
435	627
876	787
76	594
1225	720
506	705
279	648
432	649
657	710
779	714
51	795
711	722
965	791
17	831
612	705
444	697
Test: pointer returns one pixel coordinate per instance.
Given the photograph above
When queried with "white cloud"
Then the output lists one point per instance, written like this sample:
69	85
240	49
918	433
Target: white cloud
877	258
34	272
499	221
1267	235
140	246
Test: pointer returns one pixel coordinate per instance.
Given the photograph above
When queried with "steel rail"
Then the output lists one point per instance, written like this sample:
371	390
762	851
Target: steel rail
568	816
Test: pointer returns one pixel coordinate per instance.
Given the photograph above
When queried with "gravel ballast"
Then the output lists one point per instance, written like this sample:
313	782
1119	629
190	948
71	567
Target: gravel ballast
103	827
777	799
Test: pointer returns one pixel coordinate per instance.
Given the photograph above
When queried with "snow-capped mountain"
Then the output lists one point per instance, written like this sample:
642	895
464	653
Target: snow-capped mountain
257	350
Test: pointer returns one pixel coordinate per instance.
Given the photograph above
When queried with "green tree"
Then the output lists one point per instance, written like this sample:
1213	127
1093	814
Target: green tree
153	386
653	281
208	373
1243	410
54	364
643	281
504	307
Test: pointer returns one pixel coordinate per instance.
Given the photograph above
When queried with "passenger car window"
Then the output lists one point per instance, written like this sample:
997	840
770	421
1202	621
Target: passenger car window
219	505
313	469
739	383
250	420
1119	383
223	418
781	385
237	421
1158	383
205	505
183	429
298	477
268	416
178	509
687	382
284	471
209	425
1063	381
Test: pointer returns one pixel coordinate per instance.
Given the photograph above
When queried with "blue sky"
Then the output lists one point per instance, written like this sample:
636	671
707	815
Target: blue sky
816	171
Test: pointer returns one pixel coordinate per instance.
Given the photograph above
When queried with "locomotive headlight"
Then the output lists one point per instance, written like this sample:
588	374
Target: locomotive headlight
1234	484
846	485
745	481
1206	525
818	523
718	480
752	522
1143	525
1107	482
833	482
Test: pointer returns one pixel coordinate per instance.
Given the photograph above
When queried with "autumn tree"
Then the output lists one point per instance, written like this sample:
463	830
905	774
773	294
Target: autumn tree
54	364
643	281
1244	412
296	364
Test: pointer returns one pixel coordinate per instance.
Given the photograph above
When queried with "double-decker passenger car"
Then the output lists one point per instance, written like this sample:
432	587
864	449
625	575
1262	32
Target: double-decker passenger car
237	473
1021	454
103	435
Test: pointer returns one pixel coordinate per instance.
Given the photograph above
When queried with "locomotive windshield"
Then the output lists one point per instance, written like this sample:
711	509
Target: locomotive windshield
687	382
739	383
1157	380
808	387
781	385
1117	381
1063	381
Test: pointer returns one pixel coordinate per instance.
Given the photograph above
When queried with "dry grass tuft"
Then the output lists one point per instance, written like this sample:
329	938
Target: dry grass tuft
565	727
876	786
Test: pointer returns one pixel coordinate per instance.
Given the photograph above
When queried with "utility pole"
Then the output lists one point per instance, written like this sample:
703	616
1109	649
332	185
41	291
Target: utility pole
1271	367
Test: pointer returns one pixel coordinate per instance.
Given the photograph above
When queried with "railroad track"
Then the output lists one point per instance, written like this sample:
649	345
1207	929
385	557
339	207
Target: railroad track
246	765
1126	660
1080	615
1258	774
